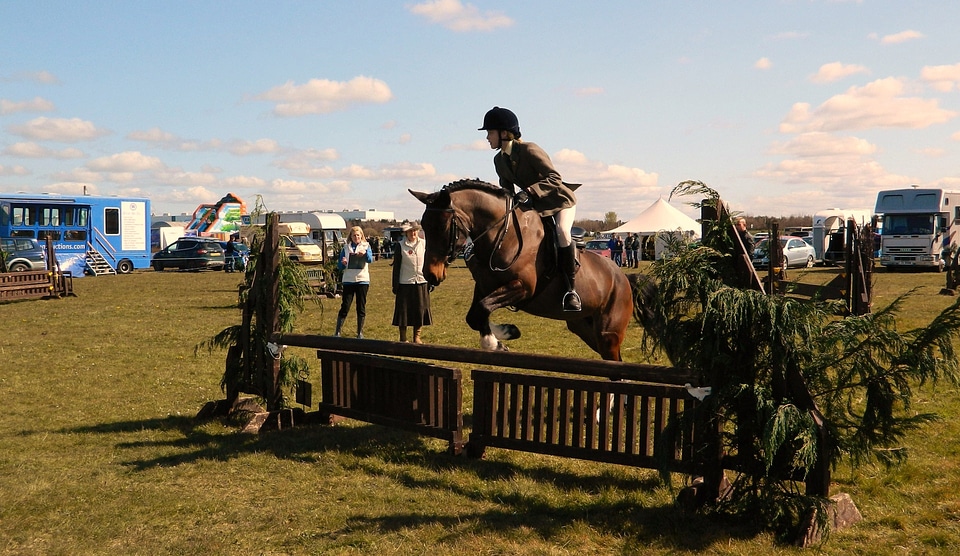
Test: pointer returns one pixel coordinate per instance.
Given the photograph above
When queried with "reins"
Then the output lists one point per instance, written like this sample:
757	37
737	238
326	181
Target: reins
457	227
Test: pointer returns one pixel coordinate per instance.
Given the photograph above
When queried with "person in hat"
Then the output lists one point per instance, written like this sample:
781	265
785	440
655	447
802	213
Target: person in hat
527	166
412	303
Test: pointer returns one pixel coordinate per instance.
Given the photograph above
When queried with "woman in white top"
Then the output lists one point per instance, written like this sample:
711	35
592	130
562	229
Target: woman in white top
412	307
355	259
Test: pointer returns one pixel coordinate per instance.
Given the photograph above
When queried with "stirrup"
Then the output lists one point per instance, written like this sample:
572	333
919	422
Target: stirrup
571	301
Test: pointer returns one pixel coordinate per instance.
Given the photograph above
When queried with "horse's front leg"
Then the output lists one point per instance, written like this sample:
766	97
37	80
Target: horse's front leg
483	305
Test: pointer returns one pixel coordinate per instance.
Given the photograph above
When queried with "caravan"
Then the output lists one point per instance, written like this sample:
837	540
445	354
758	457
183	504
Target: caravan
918	225
829	232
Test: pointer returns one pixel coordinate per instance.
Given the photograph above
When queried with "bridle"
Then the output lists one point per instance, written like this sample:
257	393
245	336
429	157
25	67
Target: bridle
455	246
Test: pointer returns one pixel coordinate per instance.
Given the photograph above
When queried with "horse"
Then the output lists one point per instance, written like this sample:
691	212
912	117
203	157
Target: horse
513	261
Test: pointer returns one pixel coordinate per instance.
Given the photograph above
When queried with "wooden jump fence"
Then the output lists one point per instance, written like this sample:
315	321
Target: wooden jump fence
606	411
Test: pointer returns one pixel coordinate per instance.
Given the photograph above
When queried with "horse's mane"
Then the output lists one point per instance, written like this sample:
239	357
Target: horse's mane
477	184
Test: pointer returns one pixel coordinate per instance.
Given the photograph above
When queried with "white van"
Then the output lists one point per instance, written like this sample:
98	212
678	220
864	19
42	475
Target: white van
296	242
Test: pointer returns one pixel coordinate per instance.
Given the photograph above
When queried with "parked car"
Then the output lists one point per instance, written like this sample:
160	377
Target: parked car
193	253
23	253
796	252
598	246
237	260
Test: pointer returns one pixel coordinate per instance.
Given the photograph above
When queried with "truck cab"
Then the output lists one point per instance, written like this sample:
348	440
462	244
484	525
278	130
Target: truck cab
918	225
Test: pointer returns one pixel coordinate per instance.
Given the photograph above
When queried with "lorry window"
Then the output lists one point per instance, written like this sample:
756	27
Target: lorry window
111	221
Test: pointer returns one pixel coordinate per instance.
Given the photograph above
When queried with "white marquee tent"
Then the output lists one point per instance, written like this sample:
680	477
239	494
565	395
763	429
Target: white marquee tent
659	217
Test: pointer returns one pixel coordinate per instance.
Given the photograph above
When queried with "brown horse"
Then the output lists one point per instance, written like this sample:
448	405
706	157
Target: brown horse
513	260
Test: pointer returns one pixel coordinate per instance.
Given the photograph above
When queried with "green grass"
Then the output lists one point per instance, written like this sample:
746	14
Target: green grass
100	454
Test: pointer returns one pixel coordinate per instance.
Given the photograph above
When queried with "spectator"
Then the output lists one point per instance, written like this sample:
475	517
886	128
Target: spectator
355	259
412	304
745	236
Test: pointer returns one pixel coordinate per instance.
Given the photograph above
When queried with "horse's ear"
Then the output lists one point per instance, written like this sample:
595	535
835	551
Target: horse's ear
424	197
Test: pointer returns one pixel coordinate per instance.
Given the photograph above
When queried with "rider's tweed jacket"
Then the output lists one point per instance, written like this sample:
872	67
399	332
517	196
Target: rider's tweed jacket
529	167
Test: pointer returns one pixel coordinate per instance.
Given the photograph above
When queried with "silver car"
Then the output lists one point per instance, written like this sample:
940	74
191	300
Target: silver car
796	252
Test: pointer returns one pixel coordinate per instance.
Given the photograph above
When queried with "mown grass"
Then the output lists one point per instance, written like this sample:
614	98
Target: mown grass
100	453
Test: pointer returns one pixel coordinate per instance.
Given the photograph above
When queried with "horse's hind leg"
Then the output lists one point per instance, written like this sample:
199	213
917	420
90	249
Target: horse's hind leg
605	342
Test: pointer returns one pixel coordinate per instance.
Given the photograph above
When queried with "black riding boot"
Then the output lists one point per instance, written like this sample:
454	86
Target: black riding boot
568	264
339	325
360	326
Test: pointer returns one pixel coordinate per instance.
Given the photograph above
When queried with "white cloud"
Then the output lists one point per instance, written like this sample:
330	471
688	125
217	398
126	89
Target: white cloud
36	104
763	64
129	161
819	144
189	179
836	71
322	96
33	150
40	77
295	186
161	139
879	104
153	135
73	188
459	17
576	167
13	171
260	146
478	145
902	36
942	78
825	159
931	152
405	138
243	182
58	129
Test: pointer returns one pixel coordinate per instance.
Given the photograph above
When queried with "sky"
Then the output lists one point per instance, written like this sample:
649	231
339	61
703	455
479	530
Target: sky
785	107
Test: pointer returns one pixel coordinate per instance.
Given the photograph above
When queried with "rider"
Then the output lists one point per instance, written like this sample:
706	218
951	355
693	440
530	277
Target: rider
527	166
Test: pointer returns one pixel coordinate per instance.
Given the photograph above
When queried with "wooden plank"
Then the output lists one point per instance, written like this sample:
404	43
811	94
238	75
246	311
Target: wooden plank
654	374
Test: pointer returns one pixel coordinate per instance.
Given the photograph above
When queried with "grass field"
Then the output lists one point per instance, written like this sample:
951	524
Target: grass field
100	453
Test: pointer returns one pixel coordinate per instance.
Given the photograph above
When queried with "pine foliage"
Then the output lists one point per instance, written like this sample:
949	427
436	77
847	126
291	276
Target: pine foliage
859	373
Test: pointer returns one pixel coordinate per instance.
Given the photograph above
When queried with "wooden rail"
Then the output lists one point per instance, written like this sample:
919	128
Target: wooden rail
409	395
641	425
34	284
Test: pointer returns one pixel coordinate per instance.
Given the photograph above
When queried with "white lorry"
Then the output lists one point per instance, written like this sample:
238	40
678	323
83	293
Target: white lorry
918	224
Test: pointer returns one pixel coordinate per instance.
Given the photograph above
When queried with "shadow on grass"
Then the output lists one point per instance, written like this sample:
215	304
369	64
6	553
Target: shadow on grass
402	457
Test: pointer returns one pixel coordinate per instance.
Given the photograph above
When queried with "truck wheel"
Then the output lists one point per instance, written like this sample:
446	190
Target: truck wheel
18	267
158	267
124	267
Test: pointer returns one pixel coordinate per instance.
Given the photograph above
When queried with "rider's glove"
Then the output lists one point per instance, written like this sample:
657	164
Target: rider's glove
522	200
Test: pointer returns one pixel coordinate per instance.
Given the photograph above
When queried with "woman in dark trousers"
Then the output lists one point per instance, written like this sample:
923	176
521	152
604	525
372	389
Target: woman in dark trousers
354	261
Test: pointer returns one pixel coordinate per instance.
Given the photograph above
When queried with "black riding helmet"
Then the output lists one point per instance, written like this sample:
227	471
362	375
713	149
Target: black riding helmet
501	119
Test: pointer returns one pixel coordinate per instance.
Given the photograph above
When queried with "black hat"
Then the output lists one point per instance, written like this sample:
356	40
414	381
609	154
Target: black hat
501	118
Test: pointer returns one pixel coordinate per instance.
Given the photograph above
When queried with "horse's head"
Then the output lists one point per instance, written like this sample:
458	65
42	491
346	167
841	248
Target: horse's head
450	219
440	230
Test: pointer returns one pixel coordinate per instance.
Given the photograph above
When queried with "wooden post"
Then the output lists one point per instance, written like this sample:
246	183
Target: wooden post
266	366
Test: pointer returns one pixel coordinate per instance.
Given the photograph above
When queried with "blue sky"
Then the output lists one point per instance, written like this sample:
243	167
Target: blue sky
785	107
